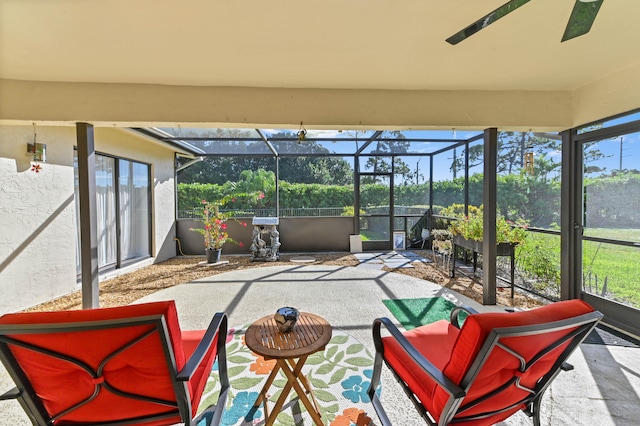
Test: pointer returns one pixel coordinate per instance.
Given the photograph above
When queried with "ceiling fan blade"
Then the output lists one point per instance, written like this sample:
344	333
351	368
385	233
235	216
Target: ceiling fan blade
486	20
582	16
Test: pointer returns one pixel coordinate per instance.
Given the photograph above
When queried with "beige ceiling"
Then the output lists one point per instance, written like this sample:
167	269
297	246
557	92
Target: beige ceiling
329	63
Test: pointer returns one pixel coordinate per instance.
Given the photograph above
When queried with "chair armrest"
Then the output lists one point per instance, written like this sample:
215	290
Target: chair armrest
455	311
217	326
447	384
11	394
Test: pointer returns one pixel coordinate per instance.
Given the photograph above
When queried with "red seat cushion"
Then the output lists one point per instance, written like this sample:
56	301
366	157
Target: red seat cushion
435	341
455	357
141	369
190	340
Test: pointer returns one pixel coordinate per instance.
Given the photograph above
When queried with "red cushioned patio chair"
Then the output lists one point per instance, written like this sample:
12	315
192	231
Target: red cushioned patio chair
124	365
483	372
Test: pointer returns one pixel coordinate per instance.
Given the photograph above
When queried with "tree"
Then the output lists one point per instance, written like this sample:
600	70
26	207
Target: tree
388	145
306	168
255	181
302	169
219	169
592	155
512	147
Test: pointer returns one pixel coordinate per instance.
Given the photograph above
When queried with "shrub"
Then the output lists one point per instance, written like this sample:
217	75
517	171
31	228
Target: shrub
471	227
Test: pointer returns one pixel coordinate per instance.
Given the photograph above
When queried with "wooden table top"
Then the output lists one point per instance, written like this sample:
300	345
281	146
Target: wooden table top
310	334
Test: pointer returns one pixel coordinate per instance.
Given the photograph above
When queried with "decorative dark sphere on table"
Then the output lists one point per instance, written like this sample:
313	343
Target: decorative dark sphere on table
286	318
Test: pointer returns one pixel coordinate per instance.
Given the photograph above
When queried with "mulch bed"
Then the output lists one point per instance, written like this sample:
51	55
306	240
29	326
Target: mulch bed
132	286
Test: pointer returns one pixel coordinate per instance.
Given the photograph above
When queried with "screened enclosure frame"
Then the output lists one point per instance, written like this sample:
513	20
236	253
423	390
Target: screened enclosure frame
616	314
361	147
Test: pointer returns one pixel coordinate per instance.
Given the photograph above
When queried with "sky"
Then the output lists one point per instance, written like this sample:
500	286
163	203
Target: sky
623	150
611	148
441	168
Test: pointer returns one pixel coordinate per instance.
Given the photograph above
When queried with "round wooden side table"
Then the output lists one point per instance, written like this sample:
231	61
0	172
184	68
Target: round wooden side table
290	350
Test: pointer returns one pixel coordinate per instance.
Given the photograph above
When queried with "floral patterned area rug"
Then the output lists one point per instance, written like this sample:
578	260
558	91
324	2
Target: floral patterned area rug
339	376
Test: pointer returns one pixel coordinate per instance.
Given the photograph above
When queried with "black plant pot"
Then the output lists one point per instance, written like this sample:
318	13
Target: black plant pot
213	255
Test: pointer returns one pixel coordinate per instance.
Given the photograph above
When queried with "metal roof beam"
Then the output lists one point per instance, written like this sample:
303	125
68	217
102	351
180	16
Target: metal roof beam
266	141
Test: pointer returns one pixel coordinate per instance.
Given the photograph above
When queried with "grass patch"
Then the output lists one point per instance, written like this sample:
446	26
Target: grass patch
618	265
614	234
612	271
373	236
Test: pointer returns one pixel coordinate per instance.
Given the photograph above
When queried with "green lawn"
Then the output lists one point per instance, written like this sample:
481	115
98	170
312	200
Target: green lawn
614	234
618	265
372	236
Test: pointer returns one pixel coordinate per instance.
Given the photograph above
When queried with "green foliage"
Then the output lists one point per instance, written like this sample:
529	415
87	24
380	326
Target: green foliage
520	196
190	195
296	195
412	195
441	241
457	210
539	256
215	221
314	195
351	211
254	181
618	265
471	226
220	169
608	201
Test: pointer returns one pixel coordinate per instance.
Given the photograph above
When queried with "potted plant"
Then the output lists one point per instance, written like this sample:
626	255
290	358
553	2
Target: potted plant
215	228
468	232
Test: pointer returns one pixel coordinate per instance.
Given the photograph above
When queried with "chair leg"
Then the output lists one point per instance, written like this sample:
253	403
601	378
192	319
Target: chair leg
373	396
375	378
533	410
382	415
378	362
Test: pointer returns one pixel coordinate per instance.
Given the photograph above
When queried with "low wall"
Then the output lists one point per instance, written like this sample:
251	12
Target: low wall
297	234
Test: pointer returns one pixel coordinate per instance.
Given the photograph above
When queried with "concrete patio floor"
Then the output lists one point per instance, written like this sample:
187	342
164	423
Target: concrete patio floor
603	389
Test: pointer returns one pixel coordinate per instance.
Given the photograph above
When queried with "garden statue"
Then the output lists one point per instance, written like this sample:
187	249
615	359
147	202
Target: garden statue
259	249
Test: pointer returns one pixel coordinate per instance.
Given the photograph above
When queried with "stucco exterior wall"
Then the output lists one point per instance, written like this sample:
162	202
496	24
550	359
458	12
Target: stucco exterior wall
144	105
37	210
594	102
37	218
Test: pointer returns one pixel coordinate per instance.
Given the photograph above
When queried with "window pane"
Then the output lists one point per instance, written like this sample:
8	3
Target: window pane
476	172
316	186
612	211
612	188
411	193
611	271
448	179
106	210
610	122
529	178
374	198
134	209
538	264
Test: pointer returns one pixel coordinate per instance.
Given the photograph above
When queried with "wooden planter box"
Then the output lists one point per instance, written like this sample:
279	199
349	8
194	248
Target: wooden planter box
502	249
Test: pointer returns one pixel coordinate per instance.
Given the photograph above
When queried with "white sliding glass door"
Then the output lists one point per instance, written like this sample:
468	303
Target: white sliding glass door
133	190
123	212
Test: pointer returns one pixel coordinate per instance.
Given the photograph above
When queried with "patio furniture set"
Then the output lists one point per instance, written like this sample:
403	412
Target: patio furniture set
134	365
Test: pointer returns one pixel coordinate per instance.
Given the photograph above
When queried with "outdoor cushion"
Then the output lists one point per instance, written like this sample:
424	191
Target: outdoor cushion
435	342
454	352
140	369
